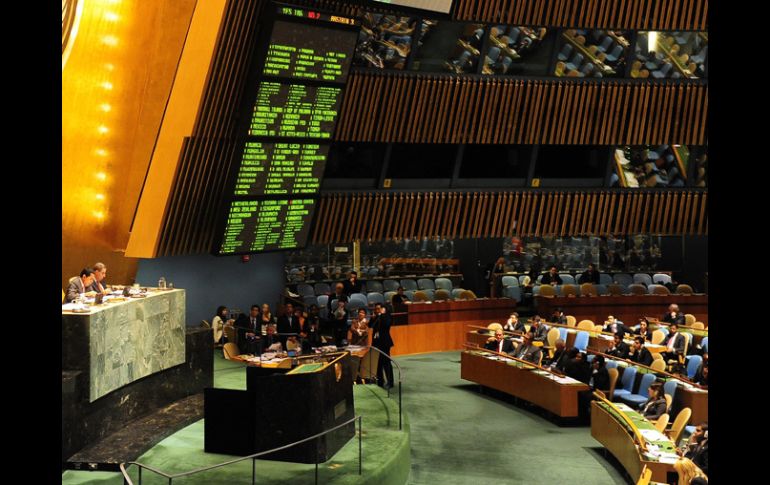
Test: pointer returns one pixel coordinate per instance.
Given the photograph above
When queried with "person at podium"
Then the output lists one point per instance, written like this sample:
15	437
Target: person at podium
359	333
79	285
100	272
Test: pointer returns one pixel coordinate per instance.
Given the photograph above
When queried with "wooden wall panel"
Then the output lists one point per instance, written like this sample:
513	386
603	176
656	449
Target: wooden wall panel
503	214
437	108
615	14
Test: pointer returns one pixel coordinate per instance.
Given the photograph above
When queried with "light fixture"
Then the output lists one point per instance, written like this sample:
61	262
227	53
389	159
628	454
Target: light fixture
652	42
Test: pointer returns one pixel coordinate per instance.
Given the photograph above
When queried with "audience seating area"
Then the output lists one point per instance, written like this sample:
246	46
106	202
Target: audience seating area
618	284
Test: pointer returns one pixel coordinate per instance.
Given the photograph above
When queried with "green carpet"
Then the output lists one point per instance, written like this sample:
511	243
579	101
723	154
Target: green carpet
385	449
460	436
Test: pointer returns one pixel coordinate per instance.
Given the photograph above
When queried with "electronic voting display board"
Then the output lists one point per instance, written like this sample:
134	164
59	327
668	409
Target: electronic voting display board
294	97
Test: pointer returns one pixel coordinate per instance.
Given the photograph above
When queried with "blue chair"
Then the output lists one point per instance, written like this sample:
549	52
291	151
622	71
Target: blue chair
493	54
663	72
590	358
409	285
443	284
510	281
626	383
581	340
623	279
536	290
664	330
521	279
704	344
642	278
563	333
513	292
605	279
611	364
693	364
669	389
358	297
425	284
614	54
391	285
514	34
575	63
565	52
409	294
389	296
322	300
456	293
605	44
305	289
374	285
601	289
375	297
567	279
309	300
431	294
373	272
661	279
634	400
655	289
322	288
539	279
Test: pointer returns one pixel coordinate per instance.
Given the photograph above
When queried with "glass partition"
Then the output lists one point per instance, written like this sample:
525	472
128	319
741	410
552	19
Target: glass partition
449	47
384	41
671	55
517	50
655	166
592	53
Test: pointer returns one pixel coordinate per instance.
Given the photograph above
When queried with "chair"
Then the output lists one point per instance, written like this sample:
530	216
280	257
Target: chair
547	291
684	290
661	279
588	289
575	63
391	285
611	364
657	336
567	279
305	289
658	290
658	365
615	289
605	44
669	400
571	321
409	294
409	284
467	295
623	279
657	357
229	333
456	293
627	382
637	289
230	351
679	423
613	372
586	325
309	300
634	400
510	281
494	326
443	284
521	280
662	422
704	344
513	292
565	52
389	296
693	364
581	341
322	288
562	333
359	297
420	296
663	72
669	389
642	278
605	279
645	477
374	285
569	290
689	319
374	297
426	284
598	328
443	295
536	290
552	335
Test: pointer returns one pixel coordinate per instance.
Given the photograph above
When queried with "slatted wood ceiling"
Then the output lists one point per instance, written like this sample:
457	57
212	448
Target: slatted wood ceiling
500	214
395	107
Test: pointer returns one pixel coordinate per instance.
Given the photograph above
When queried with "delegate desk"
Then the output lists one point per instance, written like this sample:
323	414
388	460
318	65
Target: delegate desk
633	440
556	394
627	308
123	340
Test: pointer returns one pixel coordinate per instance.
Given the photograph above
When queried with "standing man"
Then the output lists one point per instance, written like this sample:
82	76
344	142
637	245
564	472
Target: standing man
100	272
287	324
79	284
249	330
383	342
352	285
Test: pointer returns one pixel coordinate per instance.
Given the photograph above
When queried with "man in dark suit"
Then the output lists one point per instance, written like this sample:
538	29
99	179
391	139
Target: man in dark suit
352	285
590	275
674	343
639	352
577	367
499	344
619	348
552	277
527	351
249	331
600	377
560	356
383	342
538	330
673	315
287	323
79	284
615	326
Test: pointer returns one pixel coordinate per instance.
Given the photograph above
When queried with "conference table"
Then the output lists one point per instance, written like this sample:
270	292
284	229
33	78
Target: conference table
557	394
633	440
626	308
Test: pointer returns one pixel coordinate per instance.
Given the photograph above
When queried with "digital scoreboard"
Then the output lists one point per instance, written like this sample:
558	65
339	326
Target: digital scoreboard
294	99
295	110
280	168
266	225
308	52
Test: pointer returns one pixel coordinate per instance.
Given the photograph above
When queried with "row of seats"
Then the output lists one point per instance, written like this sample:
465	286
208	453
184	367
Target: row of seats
317	289
622	279
361	300
588	289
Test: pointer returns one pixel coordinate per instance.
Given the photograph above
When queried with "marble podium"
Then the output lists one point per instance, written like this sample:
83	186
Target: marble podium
119	343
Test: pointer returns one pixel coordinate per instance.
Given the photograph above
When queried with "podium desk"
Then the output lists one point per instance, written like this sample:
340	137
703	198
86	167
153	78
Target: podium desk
559	395
281	406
